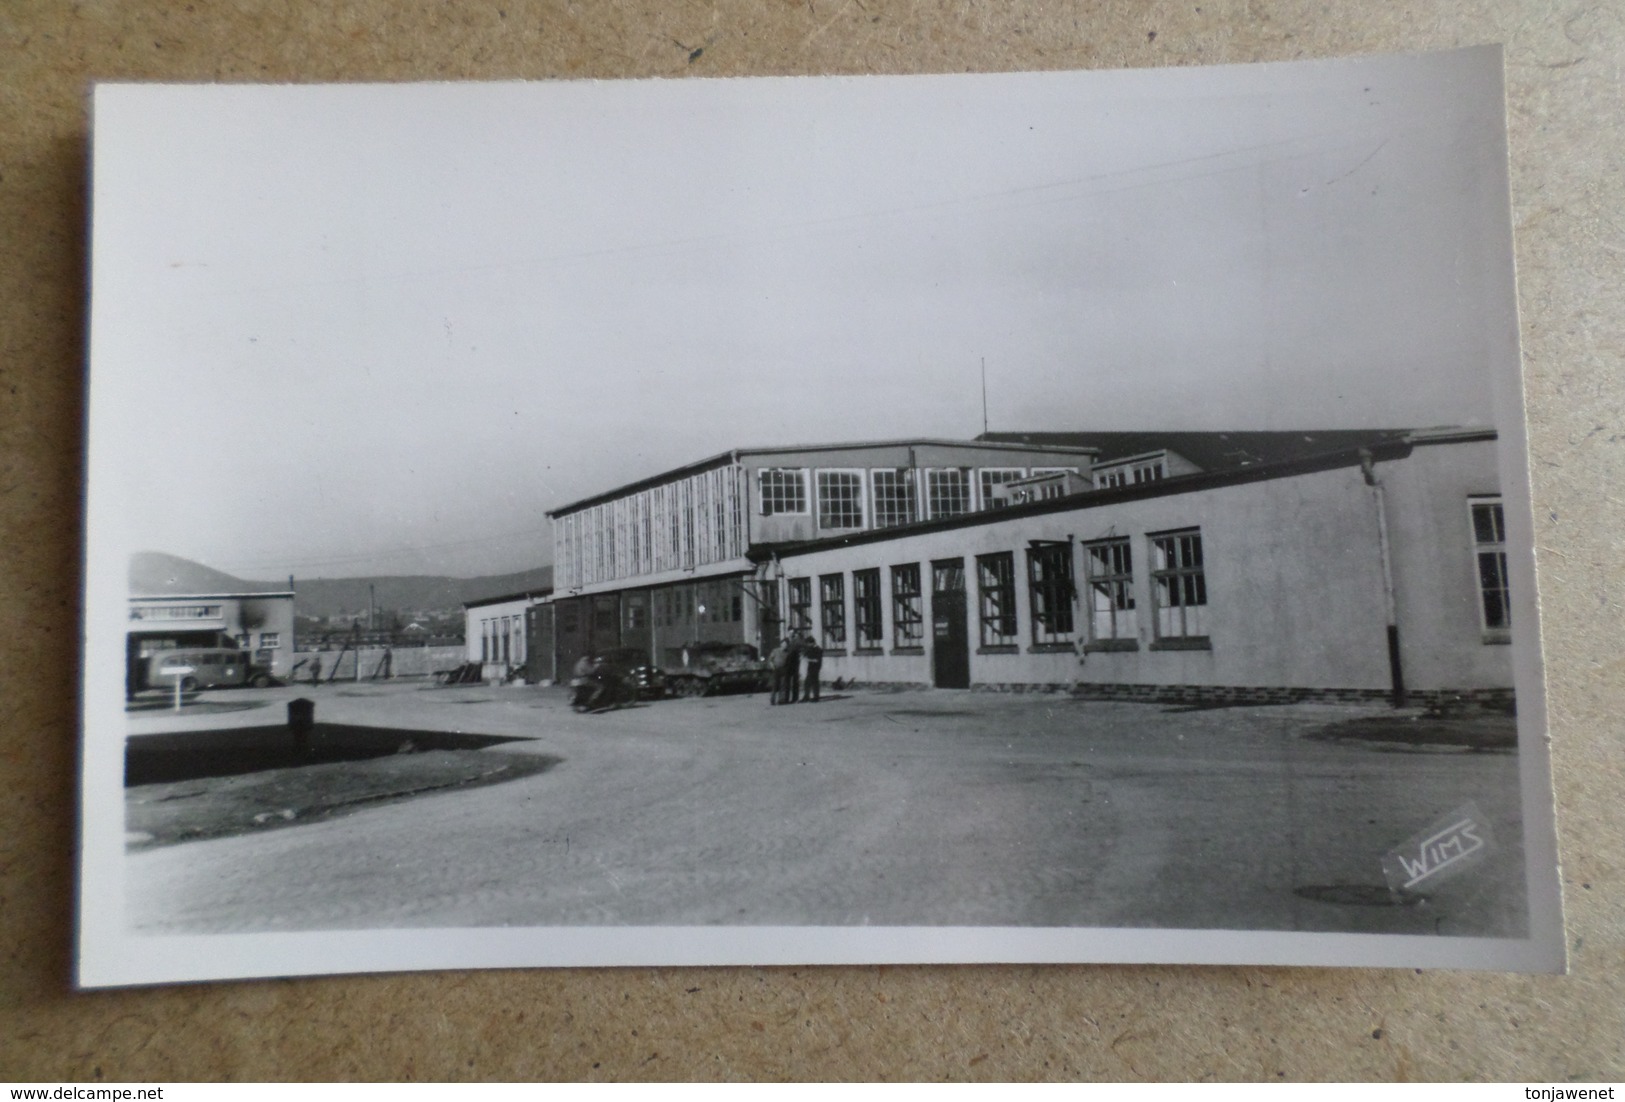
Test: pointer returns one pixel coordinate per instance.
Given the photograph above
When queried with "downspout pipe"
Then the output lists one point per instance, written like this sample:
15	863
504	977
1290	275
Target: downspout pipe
1396	667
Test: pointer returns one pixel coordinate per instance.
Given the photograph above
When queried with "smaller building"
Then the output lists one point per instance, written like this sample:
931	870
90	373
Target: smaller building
259	623
495	632
1378	571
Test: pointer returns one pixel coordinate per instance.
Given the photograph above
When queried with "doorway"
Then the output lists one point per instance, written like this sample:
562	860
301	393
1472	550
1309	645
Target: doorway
950	642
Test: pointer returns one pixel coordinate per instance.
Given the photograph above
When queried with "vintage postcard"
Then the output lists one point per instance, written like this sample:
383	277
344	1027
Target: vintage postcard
1027	517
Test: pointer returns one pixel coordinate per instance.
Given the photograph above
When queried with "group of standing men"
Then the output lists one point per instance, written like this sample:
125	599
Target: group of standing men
790	683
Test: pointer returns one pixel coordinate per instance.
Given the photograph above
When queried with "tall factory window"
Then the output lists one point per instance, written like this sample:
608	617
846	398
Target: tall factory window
1110	565
832	609
801	604
996	579
1049	585
1490	548
866	607
1179	588
908	621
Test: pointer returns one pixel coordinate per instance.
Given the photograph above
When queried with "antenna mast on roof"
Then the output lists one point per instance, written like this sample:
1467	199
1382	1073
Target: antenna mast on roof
984	395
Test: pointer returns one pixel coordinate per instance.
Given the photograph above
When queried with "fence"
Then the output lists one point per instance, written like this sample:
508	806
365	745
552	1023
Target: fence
369	662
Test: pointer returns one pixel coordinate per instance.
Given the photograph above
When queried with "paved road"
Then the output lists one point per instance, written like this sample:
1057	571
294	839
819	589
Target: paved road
918	808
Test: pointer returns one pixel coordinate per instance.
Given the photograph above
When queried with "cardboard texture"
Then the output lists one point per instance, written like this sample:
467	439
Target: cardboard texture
990	1023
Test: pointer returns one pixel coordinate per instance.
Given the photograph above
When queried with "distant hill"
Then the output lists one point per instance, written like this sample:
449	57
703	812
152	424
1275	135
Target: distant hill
153	573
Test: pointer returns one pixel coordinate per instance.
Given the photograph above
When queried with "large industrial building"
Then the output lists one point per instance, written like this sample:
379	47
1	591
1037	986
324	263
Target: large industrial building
672	560
1238	566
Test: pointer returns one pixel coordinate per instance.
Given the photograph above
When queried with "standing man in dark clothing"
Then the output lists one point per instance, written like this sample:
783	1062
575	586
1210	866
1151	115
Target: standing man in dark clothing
793	668
778	660
814	654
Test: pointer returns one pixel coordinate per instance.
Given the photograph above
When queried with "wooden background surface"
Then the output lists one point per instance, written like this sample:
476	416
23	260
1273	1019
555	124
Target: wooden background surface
1568	177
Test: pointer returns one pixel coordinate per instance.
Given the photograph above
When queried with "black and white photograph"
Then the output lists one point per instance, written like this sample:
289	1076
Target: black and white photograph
1024	517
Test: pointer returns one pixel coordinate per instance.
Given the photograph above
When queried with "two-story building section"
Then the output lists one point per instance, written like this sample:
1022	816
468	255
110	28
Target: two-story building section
665	562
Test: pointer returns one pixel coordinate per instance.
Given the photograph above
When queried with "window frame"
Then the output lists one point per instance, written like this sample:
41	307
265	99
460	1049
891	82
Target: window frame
1052	597
985	485
907	608
1124	620
906	479
1495	550
798	603
1001	612
832	612
869	634
766	505
966	485
1182	577
859	500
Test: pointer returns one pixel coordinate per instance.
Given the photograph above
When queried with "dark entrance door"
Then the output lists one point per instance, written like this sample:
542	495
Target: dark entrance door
604	628
539	644
950	642
570	625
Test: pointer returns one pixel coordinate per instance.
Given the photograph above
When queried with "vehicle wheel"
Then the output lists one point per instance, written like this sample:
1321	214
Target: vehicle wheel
690	686
261	681
189	685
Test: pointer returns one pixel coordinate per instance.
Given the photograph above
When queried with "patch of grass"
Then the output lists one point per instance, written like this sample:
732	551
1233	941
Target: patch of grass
1486	731
223	806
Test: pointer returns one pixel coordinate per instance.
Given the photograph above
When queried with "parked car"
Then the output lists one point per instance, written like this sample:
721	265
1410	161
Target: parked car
719	668
632	666
206	668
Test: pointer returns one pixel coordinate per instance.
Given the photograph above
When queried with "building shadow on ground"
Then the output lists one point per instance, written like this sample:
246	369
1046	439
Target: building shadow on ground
188	755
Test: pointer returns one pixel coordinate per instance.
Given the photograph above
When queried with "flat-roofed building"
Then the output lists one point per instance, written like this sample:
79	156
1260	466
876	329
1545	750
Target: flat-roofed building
497	633
259	623
1377	571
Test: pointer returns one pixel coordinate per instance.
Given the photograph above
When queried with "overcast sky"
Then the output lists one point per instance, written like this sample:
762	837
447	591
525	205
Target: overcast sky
342	330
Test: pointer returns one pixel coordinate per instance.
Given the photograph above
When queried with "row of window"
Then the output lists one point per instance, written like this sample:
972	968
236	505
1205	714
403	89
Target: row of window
843	499
502	639
1178	587
175	612
719	602
269	640
1130	474
1111	618
680	525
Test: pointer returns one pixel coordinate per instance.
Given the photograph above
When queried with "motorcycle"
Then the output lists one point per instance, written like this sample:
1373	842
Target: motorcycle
600	693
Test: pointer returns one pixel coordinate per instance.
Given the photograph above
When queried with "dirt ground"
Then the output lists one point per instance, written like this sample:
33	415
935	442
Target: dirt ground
917	808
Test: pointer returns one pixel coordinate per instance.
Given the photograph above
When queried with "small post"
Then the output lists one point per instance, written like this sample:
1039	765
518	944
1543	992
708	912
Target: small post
179	673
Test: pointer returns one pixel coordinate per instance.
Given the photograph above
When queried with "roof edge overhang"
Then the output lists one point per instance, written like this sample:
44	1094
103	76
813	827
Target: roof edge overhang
529	594
708	572
1423	437
210	596
725	459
